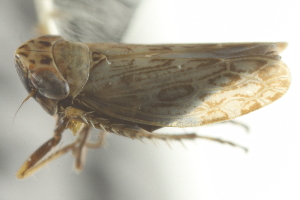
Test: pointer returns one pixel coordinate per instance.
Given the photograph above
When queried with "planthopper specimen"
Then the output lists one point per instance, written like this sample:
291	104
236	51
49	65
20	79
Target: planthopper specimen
133	90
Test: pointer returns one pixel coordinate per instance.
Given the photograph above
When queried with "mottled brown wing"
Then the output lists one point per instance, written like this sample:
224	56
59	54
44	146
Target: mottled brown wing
184	85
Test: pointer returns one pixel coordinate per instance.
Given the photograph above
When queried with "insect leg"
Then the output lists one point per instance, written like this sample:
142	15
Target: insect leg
78	147
100	142
247	129
145	134
35	161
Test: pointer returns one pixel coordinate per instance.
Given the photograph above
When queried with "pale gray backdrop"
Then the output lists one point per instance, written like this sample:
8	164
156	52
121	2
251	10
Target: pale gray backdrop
129	169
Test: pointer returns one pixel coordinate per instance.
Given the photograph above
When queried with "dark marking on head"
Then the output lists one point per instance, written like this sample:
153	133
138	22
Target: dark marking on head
46	60
32	61
23	46
31	41
45	43
23	54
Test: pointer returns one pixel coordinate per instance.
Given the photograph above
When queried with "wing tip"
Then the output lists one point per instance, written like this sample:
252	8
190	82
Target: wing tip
281	46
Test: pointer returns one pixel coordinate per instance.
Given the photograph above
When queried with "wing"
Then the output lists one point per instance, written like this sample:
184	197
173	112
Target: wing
85	20
184	85
168	85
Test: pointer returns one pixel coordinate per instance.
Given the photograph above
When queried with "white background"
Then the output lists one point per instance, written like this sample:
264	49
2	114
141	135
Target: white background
129	169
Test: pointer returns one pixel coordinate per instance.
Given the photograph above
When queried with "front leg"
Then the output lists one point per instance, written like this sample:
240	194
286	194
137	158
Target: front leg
35	161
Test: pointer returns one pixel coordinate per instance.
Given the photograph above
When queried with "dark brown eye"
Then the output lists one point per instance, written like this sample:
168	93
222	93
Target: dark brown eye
23	73
50	85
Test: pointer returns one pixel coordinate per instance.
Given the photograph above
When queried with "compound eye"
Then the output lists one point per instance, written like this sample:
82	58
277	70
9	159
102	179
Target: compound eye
23	73
49	84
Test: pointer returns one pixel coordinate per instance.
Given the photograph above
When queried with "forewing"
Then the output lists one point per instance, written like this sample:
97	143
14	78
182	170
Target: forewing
184	85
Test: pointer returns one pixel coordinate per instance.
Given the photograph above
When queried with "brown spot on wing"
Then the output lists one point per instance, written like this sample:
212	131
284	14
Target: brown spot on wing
162	62
159	48
215	115
250	106
176	92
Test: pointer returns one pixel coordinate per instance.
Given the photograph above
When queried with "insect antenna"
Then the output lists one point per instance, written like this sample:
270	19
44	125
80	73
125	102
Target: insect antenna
31	94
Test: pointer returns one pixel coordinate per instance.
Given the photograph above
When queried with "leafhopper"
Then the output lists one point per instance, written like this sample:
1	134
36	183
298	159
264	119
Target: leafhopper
133	90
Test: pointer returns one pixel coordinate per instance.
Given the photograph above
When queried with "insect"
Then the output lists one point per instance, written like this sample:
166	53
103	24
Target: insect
132	90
